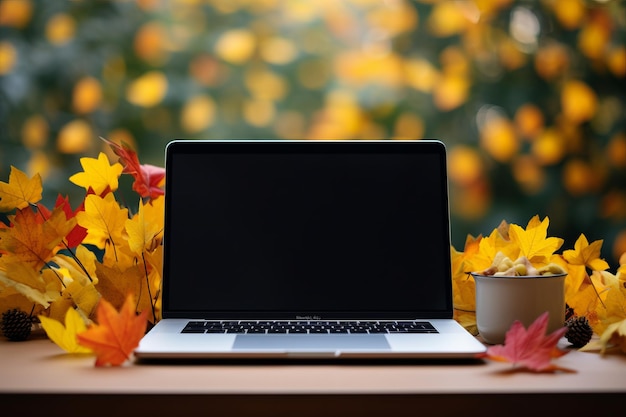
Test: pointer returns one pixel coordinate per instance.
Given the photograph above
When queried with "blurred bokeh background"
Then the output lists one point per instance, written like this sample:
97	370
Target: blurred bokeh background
529	96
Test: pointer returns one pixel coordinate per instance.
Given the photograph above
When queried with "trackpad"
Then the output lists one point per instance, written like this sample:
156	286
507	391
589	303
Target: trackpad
289	342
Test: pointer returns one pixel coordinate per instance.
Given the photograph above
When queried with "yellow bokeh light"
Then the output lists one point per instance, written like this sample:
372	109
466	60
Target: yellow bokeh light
570	13
87	95
278	51
451	91
528	174
498	138
616	151
198	114
529	121
393	17
265	84
578	177
236	46
593	39
359	68
8	57
409	126
149	43
75	137
258	113
616	61
60	29
578	101
465	166
448	18
39	163
552	61
15	13
420	74
549	147
35	131
148	90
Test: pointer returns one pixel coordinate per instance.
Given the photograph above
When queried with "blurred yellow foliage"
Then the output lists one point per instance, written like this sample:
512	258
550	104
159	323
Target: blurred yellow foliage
15	13
60	29
578	101
8	57
450	18
277	50
266	85
465	166
87	95
149	43
549	147
529	121
35	131
148	90
236	46
529	174
198	114
570	13
498	138
75	137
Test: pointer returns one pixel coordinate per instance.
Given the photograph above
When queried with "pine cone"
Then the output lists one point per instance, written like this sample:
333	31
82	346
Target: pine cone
579	331
16	325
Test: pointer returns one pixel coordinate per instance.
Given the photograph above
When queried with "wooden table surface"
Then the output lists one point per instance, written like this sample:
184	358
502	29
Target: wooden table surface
37	378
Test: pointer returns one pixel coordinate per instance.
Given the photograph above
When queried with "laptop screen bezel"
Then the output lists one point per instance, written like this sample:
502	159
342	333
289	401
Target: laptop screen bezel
298	146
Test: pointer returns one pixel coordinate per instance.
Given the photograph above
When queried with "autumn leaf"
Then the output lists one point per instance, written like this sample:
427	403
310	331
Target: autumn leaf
104	220
20	191
148	178
116	334
98	174
533	242
65	335
531	349
33	240
78	233
116	282
586	254
42	288
143	231
614	335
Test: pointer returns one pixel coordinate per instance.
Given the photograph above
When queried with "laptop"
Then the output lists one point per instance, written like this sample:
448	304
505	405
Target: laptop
306	250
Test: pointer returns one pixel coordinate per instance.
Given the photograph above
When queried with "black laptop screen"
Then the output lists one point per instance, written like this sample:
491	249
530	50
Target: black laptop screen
296	229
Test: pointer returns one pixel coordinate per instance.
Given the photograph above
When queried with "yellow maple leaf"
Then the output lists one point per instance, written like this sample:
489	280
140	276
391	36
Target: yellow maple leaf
98	174
142	233
586	254
20	191
533	242
41	288
104	220
65	335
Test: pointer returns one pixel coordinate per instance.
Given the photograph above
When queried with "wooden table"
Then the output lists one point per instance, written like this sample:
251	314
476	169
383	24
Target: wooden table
38	379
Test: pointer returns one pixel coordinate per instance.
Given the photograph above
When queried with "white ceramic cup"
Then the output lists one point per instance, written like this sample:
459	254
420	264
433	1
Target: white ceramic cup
500	301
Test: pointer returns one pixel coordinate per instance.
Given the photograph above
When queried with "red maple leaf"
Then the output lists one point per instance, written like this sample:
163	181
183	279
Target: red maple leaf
148	178
77	234
530	348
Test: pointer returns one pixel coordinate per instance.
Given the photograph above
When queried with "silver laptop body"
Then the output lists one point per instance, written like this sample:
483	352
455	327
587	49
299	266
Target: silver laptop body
307	249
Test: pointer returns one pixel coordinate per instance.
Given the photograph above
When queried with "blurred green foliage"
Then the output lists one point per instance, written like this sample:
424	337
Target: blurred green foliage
529	96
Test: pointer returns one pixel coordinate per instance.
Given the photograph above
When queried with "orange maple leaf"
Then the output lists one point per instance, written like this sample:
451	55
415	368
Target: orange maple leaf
116	335
532	348
33	240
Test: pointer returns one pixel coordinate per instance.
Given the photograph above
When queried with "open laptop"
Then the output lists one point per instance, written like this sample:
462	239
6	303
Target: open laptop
307	249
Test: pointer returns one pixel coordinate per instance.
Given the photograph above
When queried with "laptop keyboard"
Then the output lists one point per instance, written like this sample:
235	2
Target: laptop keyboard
309	327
